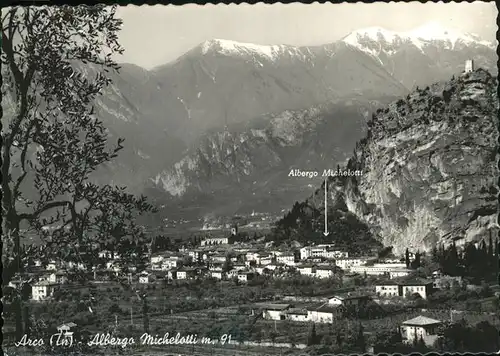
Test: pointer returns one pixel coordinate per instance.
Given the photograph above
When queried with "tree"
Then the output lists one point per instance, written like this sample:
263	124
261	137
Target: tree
360	340
312	339
490	246
52	141
407	258
435	254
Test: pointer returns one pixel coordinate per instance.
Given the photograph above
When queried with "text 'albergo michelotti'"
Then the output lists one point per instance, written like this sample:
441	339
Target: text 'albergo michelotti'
326	173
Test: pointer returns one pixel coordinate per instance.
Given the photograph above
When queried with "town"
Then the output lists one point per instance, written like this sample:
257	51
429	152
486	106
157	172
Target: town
300	287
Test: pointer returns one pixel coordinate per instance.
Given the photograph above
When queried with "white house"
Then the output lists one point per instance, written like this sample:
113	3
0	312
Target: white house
348	263
324	313
421	287
239	266
42	290
324	272
422	328
406	288
324	250
378	269
51	266
245	276
404	272
186	273
252	256
210	241
274	311
388	289
57	278
287	259
219	258
171	262
108	255
307	270
349	300
297	315
217	274
66	327
146	278
266	260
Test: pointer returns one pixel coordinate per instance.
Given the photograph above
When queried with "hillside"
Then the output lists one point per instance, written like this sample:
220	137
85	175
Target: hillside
429	166
248	163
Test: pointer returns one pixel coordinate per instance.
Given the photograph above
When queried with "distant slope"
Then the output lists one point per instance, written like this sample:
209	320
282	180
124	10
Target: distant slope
249	162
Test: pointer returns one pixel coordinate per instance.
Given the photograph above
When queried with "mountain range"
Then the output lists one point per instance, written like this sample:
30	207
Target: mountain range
221	126
324	94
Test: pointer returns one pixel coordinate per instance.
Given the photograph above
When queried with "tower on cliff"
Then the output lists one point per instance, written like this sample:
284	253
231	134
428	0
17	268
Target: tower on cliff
469	66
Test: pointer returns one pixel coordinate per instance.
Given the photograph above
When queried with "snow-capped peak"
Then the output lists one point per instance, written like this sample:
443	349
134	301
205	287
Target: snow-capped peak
432	31
229	47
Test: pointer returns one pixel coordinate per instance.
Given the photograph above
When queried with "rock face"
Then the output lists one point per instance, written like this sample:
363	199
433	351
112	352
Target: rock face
429	166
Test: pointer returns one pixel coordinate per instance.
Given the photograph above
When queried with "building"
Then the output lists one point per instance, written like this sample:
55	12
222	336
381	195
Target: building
307	270
66	327
197	255
388	289
407	288
186	273
274	311
266	260
239	266
349	300
42	290
324	313
211	241
52	266
447	282
348	263
324	272
171	262
57	278
416	286
420	328
108	255
245	276
218	274
327	251
287	259
252	256
469	66
145	278
297	314
393	270
404	272
220	258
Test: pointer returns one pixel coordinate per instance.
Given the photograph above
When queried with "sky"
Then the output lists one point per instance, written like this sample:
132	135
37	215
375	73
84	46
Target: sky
156	35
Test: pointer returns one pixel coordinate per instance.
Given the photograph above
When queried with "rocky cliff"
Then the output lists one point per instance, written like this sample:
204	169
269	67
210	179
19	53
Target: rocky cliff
429	166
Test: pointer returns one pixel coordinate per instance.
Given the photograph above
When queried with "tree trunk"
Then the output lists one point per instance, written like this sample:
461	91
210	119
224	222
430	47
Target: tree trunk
18	317
26	317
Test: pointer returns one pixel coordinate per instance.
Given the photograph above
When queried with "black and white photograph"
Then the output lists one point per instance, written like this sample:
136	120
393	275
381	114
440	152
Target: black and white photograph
250	179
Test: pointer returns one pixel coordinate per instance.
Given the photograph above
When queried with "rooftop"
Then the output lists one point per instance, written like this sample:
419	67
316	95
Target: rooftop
297	311
421	321
273	306
324	308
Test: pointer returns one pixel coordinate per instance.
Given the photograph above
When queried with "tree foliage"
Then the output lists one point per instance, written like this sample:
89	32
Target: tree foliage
55	63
